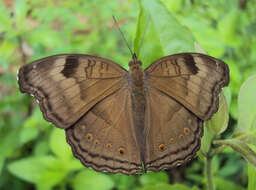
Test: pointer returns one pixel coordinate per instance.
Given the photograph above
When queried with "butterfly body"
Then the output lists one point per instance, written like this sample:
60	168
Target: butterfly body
116	120
137	90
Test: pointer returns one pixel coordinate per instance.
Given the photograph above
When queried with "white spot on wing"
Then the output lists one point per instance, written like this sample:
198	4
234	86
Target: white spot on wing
17	75
60	61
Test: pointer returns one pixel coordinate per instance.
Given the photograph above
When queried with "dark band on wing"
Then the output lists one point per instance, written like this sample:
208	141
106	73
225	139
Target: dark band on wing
70	66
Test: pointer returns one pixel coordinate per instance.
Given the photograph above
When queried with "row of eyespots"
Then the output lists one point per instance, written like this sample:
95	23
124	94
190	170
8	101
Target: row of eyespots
121	150
171	140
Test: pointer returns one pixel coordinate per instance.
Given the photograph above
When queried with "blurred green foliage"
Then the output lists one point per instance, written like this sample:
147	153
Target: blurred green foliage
35	155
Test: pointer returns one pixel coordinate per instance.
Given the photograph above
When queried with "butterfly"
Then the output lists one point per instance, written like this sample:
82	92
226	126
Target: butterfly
132	121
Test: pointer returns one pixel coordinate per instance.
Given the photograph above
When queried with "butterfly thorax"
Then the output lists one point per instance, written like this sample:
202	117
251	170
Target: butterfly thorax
136	76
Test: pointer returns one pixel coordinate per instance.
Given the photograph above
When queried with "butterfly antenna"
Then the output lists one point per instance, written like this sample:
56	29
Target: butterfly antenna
122	34
143	34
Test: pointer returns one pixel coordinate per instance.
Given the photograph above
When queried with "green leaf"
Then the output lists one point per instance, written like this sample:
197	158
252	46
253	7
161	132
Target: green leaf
228	95
41	148
222	184
174	37
151	41
5	20
167	37
92	180
75	164
228	27
206	141
58	144
206	35
2	159
45	36
168	187
173	6
20	12
251	177
241	148
49	179
246	106
36	120
154	178
219	122
123	182
36	169
28	133
251	174
9	142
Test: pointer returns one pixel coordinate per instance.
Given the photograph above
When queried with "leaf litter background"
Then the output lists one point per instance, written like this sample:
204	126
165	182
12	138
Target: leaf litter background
35	155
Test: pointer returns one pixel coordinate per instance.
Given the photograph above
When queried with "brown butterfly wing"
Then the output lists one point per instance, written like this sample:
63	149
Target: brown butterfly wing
182	91
172	132
192	79
68	85
104	138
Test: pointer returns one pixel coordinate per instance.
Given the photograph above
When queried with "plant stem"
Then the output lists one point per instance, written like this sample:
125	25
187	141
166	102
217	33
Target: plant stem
209	175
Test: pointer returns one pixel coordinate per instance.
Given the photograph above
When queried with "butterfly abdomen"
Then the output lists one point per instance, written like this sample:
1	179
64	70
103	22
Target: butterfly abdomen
136	76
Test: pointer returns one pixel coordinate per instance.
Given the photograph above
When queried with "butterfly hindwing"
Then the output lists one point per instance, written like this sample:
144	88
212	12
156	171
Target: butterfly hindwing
105	139
192	79
172	133
68	85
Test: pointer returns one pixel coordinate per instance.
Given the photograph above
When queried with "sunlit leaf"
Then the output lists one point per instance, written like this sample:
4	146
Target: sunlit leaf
59	144
32	169
154	178
92	180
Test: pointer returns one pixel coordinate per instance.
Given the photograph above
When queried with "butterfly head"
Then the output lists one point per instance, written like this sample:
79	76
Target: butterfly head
135	64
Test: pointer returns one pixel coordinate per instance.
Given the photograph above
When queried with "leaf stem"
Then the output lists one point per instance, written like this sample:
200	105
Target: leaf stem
209	174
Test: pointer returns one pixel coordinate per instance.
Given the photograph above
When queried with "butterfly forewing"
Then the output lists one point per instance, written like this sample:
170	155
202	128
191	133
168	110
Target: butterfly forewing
193	79
67	86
